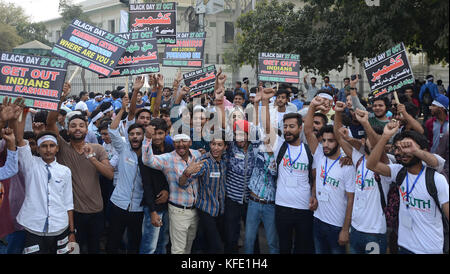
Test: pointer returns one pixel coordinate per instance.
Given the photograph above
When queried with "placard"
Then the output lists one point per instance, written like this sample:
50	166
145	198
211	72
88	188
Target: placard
141	56
279	67
159	17
389	71
187	52
200	81
90	47
39	80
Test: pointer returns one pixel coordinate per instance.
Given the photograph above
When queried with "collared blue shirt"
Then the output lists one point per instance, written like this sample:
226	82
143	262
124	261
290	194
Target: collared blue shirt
117	104
211	186
239	170
262	182
129	191
11	166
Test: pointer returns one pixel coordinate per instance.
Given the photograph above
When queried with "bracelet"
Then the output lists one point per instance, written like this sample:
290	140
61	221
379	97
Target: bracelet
90	155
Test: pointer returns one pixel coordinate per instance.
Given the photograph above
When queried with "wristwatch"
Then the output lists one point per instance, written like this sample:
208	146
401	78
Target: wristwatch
73	231
90	155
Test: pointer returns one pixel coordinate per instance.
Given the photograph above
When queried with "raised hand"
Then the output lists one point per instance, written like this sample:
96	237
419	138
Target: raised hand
160	80
339	107
38	127
66	91
267	93
125	101
401	109
221	78
149	131
11	111
344	132
354	82
8	135
408	146
138	83
195	167
87	149
151	80
391	128
317	101
362	116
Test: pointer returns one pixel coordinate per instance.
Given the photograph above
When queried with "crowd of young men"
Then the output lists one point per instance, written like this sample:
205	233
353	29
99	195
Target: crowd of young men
163	172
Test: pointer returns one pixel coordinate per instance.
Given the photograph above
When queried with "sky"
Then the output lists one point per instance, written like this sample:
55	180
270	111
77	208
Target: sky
39	10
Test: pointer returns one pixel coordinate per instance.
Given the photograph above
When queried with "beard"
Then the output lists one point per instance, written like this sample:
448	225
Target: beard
294	138
414	161
380	116
332	152
76	139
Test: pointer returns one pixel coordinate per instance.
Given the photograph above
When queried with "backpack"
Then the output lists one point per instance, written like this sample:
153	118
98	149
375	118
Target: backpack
280	156
394	204
427	99
380	187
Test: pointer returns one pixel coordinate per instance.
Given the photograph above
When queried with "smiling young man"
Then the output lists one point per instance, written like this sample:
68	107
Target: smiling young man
420	228
86	162
183	217
334	188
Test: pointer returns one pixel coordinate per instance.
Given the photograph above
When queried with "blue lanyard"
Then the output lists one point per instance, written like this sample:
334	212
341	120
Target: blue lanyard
298	156
326	172
362	173
414	184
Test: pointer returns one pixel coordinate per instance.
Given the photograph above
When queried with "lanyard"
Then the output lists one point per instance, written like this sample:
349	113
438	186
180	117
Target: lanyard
414	184
298	156
326	172
362	173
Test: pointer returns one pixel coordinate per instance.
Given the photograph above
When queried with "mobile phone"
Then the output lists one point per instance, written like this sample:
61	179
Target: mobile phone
353	77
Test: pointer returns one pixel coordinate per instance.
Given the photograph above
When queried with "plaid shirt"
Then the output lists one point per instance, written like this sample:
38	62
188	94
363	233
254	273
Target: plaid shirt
211	186
173	166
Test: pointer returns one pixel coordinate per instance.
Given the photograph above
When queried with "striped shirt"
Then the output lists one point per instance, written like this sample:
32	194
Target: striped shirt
239	169
211	186
173	166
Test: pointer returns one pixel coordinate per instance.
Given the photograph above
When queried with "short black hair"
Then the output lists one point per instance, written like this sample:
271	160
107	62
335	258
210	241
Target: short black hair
78	116
323	116
346	78
143	110
63	133
91	95
239	93
326	76
411	109
29	135
314	78
103	125
134	126
385	99
104	106
159	123
41	117
115	94
326	129
283	91
94	113
82	93
62	112
294	115
164	111
239	83
420	139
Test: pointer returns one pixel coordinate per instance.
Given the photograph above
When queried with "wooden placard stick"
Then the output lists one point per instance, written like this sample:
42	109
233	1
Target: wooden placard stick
73	74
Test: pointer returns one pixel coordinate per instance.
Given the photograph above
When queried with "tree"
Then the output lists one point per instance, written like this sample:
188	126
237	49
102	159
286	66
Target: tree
68	12
326	32
15	16
10	39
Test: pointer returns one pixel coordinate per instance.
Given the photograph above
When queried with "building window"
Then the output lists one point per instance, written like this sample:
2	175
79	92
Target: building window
218	59
229	32
112	26
212	24
206	58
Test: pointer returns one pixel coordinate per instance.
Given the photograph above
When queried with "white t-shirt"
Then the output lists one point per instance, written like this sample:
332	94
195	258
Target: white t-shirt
293	188
81	106
420	228
332	197
368	215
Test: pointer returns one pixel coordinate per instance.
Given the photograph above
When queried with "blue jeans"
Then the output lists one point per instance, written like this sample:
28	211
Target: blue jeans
15	242
326	238
154	239
257	213
367	243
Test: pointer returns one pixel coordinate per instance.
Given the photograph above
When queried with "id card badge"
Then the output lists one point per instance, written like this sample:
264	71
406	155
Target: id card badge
322	195
214	175
360	201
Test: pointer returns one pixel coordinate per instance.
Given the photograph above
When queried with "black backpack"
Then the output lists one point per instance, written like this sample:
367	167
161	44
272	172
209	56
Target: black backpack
432	191
283	149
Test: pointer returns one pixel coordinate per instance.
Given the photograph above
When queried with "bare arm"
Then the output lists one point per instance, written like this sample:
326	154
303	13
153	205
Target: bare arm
411	123
374	161
309	133
339	108
52	116
159	88
116	122
138	84
344	234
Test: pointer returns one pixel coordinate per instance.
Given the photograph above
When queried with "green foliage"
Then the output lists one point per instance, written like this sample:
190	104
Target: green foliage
326	32
10	39
70	11
15	16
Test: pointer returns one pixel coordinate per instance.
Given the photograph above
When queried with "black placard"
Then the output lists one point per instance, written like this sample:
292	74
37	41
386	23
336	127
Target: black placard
39	80
200	81
141	56
187	52
90	47
159	17
389	71
279	67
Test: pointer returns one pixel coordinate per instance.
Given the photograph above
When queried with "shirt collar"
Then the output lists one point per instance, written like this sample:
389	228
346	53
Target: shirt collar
52	164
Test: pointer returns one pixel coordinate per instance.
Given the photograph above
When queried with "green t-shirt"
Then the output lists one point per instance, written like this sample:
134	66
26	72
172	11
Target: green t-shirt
374	121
